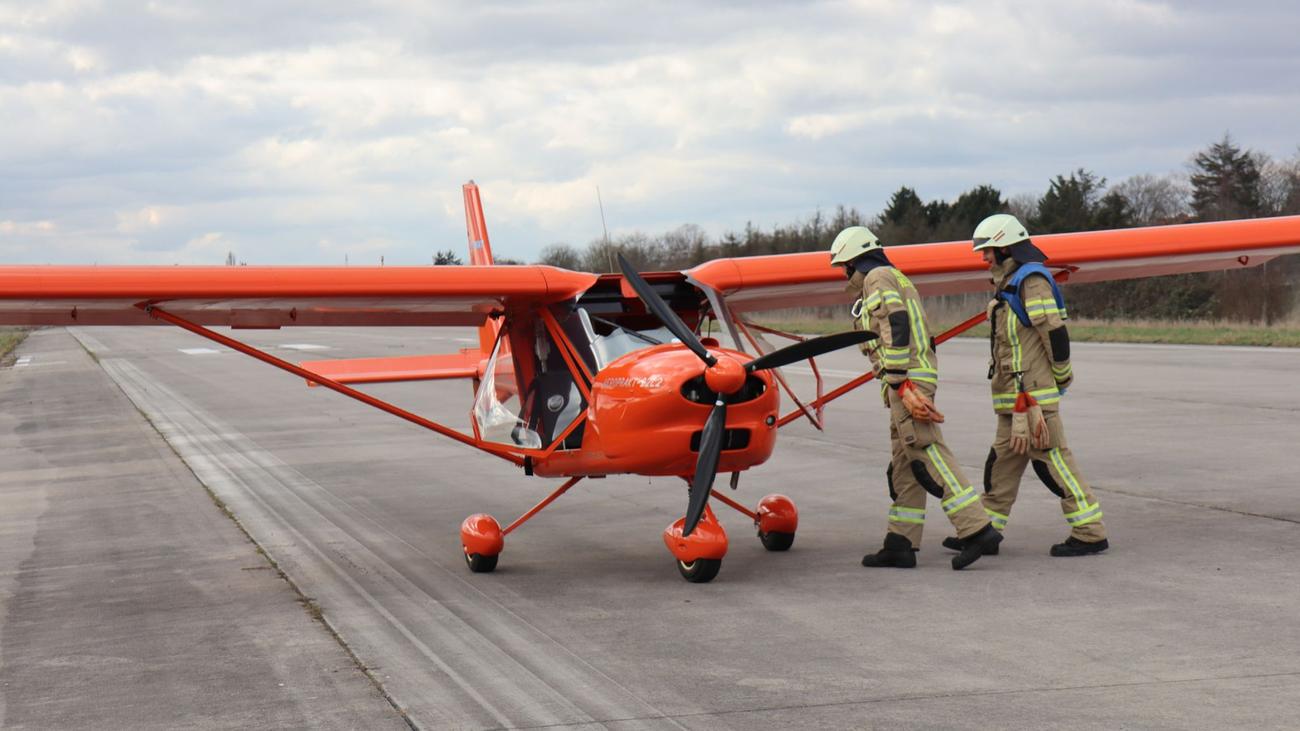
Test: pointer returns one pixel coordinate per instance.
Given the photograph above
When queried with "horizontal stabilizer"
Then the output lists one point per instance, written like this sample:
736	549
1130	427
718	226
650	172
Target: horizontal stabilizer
404	368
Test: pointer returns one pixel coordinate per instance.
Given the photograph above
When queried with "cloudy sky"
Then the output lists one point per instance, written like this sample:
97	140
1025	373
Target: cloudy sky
303	132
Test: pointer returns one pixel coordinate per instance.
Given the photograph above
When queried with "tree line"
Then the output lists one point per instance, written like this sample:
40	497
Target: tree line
1224	181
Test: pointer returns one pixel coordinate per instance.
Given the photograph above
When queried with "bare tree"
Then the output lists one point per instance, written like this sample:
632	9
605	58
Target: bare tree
1155	199
1279	185
561	255
1023	206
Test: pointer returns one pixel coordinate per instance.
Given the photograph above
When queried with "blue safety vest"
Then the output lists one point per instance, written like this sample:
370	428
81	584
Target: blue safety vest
1012	295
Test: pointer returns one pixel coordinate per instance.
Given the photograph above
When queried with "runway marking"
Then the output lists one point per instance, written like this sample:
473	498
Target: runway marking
498	670
198	351
305	346
23	362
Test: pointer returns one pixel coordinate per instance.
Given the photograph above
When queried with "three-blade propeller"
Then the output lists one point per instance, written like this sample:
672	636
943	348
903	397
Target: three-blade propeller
711	440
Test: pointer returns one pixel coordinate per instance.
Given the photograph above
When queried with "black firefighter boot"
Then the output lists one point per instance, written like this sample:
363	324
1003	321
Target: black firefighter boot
975	546
1075	547
953	543
897	552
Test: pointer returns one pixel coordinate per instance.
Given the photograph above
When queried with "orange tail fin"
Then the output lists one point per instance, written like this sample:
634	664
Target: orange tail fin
480	249
480	254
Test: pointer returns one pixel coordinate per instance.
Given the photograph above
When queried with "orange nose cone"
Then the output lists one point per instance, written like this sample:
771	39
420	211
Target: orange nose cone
725	376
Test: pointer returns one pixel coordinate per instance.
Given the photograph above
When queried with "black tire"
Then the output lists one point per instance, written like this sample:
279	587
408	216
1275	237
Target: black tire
775	541
699	571
480	564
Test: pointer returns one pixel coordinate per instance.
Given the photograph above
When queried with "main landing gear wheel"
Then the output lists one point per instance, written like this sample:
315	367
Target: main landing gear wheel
776	541
480	564
481	540
699	571
777	520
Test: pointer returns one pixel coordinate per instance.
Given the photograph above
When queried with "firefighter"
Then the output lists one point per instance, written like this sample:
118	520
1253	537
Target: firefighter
1029	367
903	358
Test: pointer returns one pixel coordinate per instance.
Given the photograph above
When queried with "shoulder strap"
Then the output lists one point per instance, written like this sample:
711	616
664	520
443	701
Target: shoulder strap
1013	293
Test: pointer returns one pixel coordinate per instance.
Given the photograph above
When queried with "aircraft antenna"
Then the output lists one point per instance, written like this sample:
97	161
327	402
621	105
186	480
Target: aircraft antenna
608	252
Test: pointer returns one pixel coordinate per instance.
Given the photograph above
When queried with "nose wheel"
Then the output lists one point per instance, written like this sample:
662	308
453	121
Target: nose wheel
699	571
699	555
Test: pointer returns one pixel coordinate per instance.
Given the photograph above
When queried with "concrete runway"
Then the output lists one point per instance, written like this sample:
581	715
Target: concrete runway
131	601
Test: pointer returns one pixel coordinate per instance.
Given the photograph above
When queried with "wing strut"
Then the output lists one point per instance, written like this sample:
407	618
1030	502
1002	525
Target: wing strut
821	401
506	453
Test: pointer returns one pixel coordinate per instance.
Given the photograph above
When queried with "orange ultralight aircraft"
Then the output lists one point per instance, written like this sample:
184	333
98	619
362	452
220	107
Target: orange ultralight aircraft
583	375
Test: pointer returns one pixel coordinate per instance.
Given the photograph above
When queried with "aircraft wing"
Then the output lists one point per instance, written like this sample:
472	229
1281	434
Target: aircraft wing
270	297
753	284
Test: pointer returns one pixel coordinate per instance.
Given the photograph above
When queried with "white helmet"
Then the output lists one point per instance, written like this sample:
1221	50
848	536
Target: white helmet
999	231
852	242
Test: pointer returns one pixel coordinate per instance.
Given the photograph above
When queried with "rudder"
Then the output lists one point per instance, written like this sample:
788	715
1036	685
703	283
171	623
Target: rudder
480	249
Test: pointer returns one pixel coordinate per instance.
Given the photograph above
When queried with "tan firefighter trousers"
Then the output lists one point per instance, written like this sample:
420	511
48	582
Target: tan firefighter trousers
921	465
1054	466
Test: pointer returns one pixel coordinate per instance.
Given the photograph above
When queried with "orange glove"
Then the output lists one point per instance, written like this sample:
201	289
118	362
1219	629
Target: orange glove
1028	425
920	405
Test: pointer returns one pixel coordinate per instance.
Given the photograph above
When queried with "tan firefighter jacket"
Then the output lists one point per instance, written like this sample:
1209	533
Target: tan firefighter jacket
1039	353
891	308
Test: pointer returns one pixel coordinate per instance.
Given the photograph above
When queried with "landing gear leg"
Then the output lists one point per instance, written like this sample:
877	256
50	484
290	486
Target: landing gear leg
776	519
482	537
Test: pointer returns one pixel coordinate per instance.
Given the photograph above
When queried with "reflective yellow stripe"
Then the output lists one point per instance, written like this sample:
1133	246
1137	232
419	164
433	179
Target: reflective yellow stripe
1014	338
936	459
871	301
920	334
1044	307
891	297
998	520
899	514
1090	514
926	375
1003	402
960	500
1064	471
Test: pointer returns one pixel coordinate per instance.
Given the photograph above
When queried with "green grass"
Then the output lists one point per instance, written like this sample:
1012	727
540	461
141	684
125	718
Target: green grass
1286	335
9	339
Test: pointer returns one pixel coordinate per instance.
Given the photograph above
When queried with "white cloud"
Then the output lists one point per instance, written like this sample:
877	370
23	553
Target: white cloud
144	219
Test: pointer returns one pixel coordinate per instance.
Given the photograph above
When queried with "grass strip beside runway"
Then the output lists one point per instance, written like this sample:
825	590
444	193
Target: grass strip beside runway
9	339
